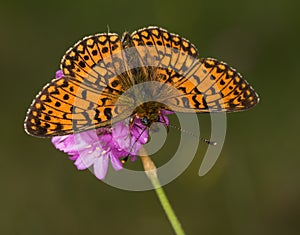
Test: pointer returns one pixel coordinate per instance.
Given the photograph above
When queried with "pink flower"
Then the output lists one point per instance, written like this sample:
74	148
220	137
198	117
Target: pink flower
97	147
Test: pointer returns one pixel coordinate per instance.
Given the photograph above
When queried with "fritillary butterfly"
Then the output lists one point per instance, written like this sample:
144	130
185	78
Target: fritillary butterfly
86	96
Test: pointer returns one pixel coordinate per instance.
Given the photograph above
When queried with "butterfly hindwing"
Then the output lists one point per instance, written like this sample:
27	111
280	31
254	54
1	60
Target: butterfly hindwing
210	86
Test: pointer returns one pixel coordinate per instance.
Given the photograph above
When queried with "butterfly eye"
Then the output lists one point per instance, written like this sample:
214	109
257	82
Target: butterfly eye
144	121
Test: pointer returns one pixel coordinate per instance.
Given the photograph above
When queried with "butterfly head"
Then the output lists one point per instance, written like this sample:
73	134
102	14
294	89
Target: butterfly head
149	119
145	121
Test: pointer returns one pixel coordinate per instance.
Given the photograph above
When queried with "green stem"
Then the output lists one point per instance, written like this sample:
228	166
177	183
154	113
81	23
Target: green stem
150	170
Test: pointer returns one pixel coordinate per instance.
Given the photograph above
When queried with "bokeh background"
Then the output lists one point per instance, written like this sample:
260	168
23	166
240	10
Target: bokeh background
254	188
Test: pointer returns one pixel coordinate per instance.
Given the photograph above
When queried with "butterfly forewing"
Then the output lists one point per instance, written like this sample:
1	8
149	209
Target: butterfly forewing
95	60
158	47
155	36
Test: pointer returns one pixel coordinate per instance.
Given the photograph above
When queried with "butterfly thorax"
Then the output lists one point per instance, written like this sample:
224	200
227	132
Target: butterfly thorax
149	112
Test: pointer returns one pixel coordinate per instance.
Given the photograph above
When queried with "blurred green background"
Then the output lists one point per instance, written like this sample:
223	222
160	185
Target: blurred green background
254	188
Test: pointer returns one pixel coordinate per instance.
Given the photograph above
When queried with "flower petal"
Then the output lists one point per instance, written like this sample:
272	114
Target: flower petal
116	163
65	143
100	167
120	130
59	74
85	160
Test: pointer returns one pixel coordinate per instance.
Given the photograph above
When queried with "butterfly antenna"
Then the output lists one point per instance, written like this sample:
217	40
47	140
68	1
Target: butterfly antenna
213	143
108	29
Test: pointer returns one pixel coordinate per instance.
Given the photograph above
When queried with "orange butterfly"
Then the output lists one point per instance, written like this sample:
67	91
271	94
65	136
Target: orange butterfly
100	72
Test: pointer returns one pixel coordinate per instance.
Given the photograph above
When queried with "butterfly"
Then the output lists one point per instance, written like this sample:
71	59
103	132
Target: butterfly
107	79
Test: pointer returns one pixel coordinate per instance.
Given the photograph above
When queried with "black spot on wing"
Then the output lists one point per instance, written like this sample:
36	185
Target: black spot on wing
107	113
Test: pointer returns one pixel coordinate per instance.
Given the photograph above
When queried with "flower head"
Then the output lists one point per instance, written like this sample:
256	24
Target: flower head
97	147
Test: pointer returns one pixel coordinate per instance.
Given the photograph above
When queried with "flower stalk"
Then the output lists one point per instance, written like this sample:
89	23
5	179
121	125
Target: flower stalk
151	172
